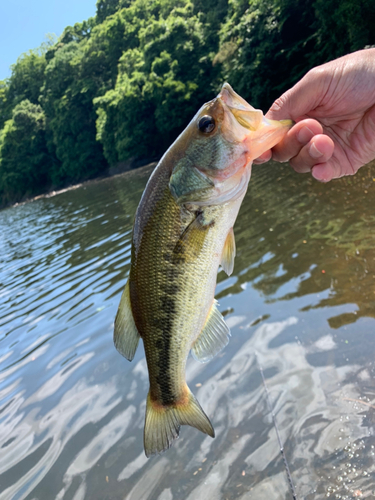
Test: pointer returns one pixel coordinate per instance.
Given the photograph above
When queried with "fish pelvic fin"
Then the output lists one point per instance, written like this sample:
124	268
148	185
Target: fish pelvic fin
126	335
162	424
213	338
229	253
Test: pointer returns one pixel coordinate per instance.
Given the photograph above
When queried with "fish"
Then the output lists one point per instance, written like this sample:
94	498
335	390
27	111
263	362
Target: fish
182	233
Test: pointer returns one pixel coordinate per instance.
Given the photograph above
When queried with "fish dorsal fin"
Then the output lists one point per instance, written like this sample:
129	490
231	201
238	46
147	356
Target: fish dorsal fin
229	252
213	338
126	336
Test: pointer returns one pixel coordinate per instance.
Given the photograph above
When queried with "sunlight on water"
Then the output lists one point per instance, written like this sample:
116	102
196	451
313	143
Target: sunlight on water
300	303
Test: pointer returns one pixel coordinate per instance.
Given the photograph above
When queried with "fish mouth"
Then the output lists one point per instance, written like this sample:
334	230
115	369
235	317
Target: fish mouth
246	116
234	101
243	123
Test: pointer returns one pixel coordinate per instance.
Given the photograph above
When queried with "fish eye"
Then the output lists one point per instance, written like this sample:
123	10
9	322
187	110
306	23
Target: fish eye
206	124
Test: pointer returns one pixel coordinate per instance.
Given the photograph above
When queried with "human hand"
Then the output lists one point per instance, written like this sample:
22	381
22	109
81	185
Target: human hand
334	107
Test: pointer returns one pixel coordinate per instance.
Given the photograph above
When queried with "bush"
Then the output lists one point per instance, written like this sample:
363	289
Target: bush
25	161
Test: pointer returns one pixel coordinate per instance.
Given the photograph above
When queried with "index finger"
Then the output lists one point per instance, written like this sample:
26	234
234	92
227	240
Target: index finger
297	137
305	96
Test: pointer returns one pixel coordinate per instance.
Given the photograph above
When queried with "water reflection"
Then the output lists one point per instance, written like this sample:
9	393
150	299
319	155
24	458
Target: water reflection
300	303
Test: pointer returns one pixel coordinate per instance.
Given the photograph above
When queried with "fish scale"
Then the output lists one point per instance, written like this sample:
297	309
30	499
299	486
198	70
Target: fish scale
156	270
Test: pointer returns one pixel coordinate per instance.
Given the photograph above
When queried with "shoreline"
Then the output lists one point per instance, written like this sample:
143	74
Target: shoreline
111	172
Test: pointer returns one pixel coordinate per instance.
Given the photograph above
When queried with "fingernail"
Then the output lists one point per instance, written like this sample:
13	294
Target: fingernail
314	151
319	172
304	135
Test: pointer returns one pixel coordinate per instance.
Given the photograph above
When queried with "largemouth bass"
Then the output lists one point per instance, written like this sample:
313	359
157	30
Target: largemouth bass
183	231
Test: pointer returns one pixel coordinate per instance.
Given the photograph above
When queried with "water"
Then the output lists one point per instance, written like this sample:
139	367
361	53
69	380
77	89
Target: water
301	304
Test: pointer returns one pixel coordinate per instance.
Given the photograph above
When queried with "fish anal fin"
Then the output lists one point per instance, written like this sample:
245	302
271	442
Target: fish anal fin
162	424
126	336
229	253
213	338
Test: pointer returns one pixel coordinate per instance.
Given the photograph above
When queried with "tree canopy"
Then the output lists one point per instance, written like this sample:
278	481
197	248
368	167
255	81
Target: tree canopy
123	84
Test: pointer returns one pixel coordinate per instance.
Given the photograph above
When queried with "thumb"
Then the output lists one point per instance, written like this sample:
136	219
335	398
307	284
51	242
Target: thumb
363	139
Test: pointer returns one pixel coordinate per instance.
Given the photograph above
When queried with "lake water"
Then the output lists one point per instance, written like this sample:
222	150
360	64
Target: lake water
301	306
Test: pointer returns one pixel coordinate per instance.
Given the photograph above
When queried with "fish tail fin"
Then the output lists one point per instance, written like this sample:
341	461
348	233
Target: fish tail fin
162	425
191	413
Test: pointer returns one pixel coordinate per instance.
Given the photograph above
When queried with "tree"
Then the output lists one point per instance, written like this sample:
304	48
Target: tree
341	26
264	45
70	117
268	45
24	158
3	102
27	77
125	83
160	84
105	8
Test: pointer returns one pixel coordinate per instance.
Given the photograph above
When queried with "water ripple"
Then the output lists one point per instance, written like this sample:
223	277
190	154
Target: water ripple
301	303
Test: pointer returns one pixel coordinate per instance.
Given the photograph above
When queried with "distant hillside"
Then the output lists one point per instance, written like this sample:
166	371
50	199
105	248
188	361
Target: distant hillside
123	84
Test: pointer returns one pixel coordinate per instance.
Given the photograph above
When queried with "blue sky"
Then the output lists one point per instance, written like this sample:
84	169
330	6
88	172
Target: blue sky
24	24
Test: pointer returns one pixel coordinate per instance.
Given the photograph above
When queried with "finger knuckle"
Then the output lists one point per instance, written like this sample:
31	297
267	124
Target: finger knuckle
279	104
299	166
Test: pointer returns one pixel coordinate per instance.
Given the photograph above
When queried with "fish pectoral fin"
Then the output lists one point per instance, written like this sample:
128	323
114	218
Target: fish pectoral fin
126	335
229	253
213	338
190	244
162	425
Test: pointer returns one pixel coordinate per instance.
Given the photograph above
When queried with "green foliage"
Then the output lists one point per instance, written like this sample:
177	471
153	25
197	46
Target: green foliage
268	45
3	102
67	100
24	83
78	32
27	78
264	46
342	26
105	8
25	161
125	83
161	83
